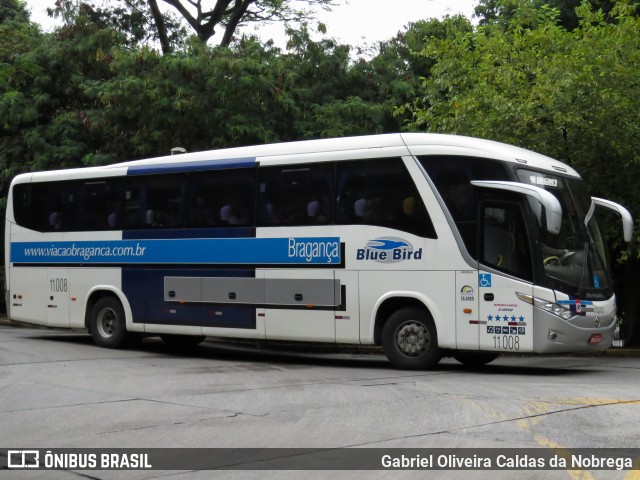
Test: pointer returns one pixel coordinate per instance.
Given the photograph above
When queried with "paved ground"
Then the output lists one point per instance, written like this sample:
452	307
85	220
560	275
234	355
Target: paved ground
58	390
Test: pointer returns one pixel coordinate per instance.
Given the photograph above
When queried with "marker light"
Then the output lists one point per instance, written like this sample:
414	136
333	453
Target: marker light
550	307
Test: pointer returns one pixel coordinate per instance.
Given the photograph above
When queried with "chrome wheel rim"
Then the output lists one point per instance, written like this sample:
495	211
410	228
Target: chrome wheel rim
107	323
412	338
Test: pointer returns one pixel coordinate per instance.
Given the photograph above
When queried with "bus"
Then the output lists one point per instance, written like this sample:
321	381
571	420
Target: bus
427	245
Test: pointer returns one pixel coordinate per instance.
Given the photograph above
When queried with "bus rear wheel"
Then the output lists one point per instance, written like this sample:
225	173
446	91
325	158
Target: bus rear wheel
107	324
410	340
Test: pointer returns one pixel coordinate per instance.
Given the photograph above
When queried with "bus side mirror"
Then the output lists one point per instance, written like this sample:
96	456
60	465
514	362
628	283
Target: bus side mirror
627	219
551	204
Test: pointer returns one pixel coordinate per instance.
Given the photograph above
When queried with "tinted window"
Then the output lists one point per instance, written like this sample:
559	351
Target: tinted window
505	245
38	206
380	192
155	201
101	208
68	206
452	177
28	208
222	198
296	194
22	200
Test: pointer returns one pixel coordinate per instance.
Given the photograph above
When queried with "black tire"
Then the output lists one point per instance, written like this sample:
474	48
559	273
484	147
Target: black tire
181	342
410	340
475	359
107	324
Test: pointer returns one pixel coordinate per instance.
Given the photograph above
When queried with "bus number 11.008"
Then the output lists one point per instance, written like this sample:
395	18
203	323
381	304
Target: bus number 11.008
58	285
506	342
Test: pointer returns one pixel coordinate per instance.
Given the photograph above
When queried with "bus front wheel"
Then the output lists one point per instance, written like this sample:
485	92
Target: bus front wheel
107	324
410	340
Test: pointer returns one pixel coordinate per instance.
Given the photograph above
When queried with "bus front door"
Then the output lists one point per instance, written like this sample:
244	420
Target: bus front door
506	320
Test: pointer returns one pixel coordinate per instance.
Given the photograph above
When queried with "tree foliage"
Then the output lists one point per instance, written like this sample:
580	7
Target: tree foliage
41	97
136	21
141	20
489	11
86	95
393	74
230	14
13	11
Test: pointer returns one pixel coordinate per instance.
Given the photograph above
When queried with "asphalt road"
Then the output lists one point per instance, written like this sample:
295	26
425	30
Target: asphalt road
58	390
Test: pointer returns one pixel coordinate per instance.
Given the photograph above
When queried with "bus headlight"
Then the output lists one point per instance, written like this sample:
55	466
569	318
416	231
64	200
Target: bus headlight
551	307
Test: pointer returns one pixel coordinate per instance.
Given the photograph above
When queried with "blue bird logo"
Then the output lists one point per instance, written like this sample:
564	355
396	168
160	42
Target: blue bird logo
387	244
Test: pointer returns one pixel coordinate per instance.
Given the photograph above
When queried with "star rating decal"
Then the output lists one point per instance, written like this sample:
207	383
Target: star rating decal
506	318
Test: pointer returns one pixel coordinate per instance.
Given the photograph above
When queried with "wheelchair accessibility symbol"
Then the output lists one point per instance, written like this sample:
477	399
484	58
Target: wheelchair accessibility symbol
485	280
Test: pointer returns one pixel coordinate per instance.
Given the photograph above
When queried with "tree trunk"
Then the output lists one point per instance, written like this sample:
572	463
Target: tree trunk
239	10
161	27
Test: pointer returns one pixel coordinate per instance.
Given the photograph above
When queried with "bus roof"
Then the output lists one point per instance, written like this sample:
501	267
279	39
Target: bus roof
414	143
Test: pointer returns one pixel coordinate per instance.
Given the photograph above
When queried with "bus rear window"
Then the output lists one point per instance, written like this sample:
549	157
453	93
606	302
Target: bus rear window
72	206
45	207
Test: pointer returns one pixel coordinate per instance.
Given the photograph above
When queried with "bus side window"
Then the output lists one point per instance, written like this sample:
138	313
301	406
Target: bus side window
451	175
52	201
101	205
296	194
221	198
155	201
380	192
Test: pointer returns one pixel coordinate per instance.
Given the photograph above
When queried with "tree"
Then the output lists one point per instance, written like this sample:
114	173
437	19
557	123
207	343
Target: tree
208	98
230	14
502	11
43	103
332	97
215	97
13	10
136	21
141	20
396	72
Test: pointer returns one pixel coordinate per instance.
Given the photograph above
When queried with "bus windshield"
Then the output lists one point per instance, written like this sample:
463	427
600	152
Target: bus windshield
574	261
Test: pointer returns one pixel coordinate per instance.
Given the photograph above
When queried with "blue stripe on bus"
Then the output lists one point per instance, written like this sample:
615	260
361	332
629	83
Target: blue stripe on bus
574	302
190	166
190	251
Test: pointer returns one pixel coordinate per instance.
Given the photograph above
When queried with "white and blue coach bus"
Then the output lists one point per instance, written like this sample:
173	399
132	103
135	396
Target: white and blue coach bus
428	245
